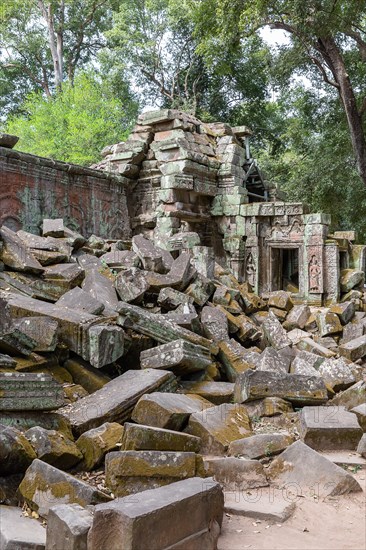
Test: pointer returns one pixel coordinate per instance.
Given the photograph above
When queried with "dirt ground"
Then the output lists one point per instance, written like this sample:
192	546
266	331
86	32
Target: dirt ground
338	523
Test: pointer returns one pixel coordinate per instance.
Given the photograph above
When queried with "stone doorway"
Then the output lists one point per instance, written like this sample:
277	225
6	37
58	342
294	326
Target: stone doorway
285	269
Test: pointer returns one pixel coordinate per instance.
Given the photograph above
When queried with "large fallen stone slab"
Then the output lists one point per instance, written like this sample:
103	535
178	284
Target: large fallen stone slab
97	442
271	360
101	289
297	317
78	299
67	527
53	228
337	374
266	508
24	420
325	428
18	532
167	410
298	389
180	357
215	324
44	486
16	453
215	392
130	472
137	437
15	254
115	401
274	334
146	521
219	426
260	445
351	397
235	474
79	331
150	256
233	357
354	349
159	328
308	344
302	470
131	285
27	391
328	323
360	412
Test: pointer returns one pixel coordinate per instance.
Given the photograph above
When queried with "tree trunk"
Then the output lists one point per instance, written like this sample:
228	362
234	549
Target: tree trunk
48	16
334	60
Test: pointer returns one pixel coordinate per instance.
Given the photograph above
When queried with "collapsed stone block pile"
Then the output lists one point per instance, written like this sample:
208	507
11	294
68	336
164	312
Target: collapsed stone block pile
139	384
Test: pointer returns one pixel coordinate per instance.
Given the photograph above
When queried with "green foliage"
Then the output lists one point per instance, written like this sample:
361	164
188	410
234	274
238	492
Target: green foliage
75	124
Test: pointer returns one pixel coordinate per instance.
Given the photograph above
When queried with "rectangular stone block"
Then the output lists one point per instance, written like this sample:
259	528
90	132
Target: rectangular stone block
23	391
137	437
179	356
145	520
354	349
18	532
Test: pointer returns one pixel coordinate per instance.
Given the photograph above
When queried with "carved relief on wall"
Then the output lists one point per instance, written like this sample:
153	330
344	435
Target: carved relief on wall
292	232
315	272
250	269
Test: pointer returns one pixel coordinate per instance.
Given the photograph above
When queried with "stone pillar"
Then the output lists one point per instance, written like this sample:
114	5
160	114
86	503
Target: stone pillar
316	230
331	272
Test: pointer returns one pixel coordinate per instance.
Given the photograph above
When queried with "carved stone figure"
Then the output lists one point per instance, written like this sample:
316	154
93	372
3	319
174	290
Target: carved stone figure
314	274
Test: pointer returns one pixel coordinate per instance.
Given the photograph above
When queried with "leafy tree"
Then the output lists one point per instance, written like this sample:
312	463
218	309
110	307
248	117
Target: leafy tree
44	42
76	124
329	35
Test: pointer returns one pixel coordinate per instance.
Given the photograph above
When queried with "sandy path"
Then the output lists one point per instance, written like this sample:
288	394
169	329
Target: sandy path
336	524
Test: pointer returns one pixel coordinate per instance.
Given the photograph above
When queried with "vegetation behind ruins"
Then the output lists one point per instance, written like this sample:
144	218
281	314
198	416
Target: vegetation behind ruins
74	74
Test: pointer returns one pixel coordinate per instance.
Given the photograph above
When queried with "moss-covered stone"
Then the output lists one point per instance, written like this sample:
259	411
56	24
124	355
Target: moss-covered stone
96	443
16	453
140	438
54	448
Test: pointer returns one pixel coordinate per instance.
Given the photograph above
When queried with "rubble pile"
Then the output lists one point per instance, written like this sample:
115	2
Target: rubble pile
127	369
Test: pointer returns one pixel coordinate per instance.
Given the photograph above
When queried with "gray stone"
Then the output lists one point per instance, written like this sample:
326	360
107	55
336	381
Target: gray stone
130	472
144	520
351	278
274	333
215	324
260	445
180	357
351	397
304	367
271	360
215	392
44	486
131	285
148	438
102	289
53	228
360	412
266	508
269	406
149	254
297	317
53	447
298	389
115	401
42	330
331	427
361	449
26	391
16	453
345	311
354	349
16	255
219	426
304	471
18	532
8	140
169	298
328	323
77	298
235	474
96	443
308	344
67	527
337	374
166	410
106	344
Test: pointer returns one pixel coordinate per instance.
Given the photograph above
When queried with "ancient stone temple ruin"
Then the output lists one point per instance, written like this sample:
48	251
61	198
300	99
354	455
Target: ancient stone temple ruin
194	185
188	185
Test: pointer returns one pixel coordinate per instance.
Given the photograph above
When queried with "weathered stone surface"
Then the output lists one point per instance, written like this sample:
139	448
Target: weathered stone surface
145	519
269	406
235	474
53	447
7	361
265	509
45	486
88	377
67	527
129	472
271	360
345	311
351	278
158	328
180	357
23	391
215	392
280	299
351	397
260	445
351	331
169	298
78	299
150	255
106	344
354	349
307	344
97	442
361	449
233	358
299	390
312	359
16	453
15	254
215	324
53	228
337	374
309	473
360	412
18	532
218	426
201	290
101	289
328	323
297	317
24	420
324	428
131	285
42	330
301	366
137	437
115	401
274	334
166	410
